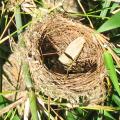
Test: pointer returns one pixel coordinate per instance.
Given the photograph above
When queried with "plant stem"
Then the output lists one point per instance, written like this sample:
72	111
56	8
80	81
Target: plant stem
18	20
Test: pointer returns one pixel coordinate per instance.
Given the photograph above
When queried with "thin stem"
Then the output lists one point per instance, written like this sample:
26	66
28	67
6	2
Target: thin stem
85	13
18	20
33	104
6	27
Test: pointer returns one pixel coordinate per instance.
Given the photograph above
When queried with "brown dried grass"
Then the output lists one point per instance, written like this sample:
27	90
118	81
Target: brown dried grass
45	42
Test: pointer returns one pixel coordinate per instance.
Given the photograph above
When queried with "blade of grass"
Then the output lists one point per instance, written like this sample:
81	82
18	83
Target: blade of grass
7	37
8	115
113	7
117	50
13	114
116	99
7	26
98	11
16	117
108	116
85	15
108	60
18	20
31	94
70	116
98	107
106	4
11	106
3	102
33	104
8	92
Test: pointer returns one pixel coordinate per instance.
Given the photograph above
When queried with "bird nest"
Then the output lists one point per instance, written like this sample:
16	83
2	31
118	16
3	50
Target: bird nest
46	42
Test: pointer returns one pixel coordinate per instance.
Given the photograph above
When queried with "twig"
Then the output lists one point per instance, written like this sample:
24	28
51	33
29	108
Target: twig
85	13
7	26
7	37
11	106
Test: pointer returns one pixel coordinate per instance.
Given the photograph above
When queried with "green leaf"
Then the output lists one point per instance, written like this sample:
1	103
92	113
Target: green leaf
114	6
112	23
104	11
18	20
117	51
16	117
108	116
3	102
70	116
108	60
33	104
116	99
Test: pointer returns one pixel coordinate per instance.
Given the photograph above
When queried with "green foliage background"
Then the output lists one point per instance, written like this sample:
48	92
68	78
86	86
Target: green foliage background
100	14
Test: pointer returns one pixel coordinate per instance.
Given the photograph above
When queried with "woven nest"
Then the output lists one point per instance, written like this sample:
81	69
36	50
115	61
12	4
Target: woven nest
45	42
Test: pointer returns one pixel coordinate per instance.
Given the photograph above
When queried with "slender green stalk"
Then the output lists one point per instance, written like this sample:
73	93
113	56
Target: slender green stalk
25	67
7	37
98	107
18	20
33	104
108	60
94	16
26	75
31	93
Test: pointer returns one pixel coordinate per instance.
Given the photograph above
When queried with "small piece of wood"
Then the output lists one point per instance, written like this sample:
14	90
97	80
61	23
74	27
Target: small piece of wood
65	60
73	50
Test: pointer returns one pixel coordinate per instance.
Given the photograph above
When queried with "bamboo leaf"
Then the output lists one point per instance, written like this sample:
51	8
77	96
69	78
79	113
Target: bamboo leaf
110	24
108	60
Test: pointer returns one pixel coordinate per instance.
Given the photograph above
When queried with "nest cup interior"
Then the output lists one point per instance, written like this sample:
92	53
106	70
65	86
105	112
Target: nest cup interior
50	56
86	62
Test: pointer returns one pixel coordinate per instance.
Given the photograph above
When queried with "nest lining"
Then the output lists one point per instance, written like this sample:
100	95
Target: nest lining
57	36
45	42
